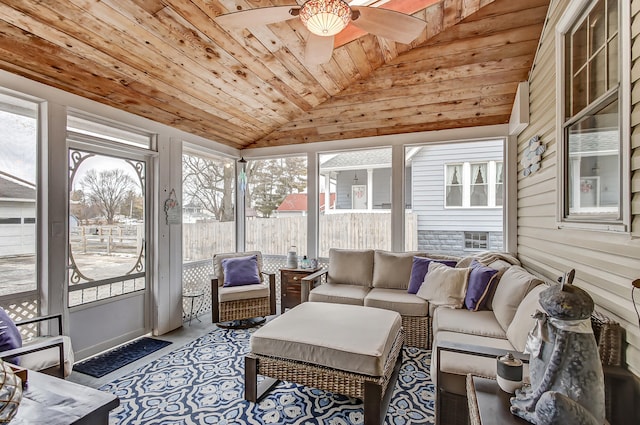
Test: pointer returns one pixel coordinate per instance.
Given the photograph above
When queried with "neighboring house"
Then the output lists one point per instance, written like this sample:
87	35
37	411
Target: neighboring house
295	204
457	196
17	216
455	190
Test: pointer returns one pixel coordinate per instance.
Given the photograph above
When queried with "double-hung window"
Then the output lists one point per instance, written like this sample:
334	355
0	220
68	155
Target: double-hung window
473	184
592	140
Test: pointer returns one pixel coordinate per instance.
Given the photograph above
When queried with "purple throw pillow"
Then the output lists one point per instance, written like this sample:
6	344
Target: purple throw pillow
239	271
480	280
419	270
10	337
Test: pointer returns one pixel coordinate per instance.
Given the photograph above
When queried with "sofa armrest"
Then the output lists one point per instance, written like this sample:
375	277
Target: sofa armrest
57	317
271	277
477	350
46	344
308	282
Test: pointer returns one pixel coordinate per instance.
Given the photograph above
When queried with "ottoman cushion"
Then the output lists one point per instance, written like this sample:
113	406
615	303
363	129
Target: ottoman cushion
345	337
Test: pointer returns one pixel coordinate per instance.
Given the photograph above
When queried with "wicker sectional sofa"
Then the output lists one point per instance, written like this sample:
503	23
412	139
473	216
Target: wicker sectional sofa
374	278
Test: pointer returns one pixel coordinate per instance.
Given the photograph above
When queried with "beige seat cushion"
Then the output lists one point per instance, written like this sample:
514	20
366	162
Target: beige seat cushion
235	293
392	269
464	321
339	293
345	337
514	284
351	266
523	321
397	300
459	365
50	357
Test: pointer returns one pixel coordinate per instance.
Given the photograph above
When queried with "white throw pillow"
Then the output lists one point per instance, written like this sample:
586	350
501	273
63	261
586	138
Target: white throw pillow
444	285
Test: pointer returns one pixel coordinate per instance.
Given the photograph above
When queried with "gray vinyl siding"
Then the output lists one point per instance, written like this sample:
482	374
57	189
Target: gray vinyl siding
428	185
605	262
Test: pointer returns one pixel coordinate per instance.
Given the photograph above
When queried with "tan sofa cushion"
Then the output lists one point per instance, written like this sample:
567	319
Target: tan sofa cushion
444	285
246	292
351	266
218	270
344	337
392	269
455	366
339	293
523	320
50	357
397	300
514	284
464	321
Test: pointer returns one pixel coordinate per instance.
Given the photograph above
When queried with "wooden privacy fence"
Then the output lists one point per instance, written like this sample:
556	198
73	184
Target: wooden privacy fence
275	235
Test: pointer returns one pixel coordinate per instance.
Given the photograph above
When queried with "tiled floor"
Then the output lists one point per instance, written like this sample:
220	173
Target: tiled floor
179	337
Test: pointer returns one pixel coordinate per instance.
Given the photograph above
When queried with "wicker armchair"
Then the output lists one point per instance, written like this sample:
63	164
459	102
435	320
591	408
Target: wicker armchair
48	354
241	305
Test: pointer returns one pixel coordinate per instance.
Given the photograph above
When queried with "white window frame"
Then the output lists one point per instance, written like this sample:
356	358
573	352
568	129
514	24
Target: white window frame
575	11
466	184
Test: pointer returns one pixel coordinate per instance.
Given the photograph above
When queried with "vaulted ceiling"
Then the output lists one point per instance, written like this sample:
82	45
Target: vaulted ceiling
167	60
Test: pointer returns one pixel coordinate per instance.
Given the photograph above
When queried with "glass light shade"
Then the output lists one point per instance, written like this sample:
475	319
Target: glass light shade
325	17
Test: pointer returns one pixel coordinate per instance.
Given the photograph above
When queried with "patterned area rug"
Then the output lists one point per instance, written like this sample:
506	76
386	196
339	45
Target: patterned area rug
203	383
105	363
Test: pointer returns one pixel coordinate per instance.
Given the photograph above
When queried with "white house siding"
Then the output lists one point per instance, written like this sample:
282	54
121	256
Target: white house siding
442	229
18	238
605	262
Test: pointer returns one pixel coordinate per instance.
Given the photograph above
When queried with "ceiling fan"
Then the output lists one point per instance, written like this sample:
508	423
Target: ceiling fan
326	18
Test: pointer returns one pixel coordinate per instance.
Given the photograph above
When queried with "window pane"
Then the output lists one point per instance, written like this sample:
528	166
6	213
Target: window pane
431	223
18	187
598	75
357	187
612	50
479	186
597	28
499	184
579	92
612	19
208	207
276	207
594	165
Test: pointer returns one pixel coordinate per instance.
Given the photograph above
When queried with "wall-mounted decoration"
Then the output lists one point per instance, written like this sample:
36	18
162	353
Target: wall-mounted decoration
172	208
532	156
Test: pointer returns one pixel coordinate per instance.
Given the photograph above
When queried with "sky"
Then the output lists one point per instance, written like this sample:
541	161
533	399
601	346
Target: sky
18	146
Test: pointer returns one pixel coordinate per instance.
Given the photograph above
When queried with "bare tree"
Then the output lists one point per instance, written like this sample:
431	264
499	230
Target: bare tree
271	180
208	183
108	190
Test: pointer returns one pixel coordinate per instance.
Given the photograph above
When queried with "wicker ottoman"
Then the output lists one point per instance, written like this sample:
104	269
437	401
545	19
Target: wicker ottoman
345	349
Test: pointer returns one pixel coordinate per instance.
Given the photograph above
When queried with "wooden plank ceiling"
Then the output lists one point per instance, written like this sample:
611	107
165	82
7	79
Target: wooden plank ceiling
167	60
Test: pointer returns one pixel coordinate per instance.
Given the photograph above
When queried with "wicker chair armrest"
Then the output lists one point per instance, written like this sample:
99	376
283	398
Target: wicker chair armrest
307	282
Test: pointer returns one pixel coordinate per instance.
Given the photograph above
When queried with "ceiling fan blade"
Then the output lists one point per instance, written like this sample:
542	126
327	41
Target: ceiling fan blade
389	24
318	49
259	16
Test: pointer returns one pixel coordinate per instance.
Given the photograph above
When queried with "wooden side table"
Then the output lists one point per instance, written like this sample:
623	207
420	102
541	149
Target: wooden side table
290	286
488	404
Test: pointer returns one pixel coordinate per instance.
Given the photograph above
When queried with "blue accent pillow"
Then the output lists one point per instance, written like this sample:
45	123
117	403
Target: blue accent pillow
10	337
419	270
239	271
479	287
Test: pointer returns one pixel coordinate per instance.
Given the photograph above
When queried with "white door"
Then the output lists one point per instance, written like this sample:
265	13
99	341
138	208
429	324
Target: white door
108	292
359	197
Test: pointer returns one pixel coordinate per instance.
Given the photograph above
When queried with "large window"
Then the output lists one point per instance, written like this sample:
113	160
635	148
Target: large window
18	189
454	194
591	127
355	200
208	208
275	196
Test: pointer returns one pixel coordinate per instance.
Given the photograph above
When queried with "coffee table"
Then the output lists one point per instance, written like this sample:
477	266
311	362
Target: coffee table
488	404
54	401
350	350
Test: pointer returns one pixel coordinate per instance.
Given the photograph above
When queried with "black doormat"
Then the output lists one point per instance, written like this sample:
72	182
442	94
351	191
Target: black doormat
105	363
